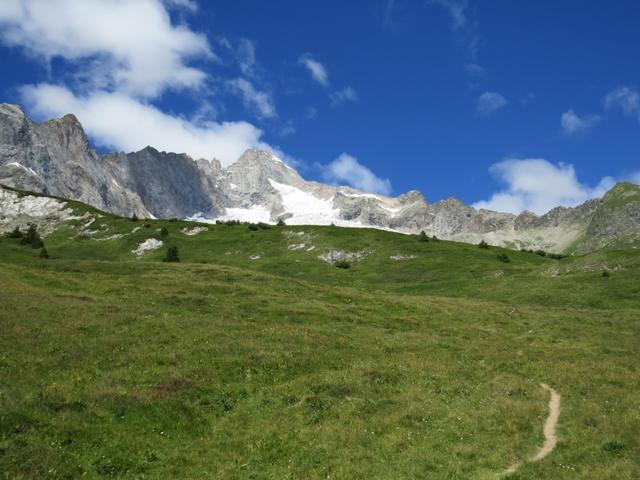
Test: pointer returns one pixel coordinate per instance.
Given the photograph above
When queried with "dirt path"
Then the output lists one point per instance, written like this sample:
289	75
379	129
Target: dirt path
550	436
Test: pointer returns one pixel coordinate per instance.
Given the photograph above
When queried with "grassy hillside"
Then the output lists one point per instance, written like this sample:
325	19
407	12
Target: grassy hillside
253	358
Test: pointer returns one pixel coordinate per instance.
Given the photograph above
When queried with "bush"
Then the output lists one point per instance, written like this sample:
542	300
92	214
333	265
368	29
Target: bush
32	238
503	258
483	244
556	256
542	253
264	226
605	273
134	218
253	227
44	253
423	237
15	233
281	222
164	232
613	447
172	255
434	239
342	264
147	225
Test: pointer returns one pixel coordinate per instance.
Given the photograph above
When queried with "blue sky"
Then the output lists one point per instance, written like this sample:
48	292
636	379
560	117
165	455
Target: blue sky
506	104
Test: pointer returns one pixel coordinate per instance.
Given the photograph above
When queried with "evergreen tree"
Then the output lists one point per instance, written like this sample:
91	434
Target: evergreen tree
32	238
483	244
423	237
172	255
15	233
134	218
281	222
164	232
44	253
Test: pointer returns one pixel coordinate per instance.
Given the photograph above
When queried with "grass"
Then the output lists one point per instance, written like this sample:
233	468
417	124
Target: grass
285	366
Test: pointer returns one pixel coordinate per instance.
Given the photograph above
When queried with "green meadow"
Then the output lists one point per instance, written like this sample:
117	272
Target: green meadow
252	358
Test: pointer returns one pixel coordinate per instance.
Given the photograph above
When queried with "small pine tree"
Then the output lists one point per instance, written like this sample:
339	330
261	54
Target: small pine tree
43	253
281	222
134	218
342	264
605	273
252	227
423	237
172	255
15	233
434	239
164	232
483	244
32	238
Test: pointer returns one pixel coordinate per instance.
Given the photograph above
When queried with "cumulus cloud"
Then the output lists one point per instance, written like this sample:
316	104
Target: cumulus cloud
115	120
316	69
538	186
490	102
121	55
626	99
347	94
573	125
347	170
254	99
128	45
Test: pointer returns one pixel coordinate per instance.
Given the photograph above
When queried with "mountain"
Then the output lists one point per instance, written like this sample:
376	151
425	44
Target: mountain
55	158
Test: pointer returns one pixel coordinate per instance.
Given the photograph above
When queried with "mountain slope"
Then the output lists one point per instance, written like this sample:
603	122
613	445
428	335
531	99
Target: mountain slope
256	357
54	157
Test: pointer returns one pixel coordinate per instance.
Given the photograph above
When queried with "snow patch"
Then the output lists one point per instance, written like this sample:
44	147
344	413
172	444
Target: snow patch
26	169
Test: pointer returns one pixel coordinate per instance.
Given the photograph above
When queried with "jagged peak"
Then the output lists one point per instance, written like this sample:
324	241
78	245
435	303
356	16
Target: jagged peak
12	109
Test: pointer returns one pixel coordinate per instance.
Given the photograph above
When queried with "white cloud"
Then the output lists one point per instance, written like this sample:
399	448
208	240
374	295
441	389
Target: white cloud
188	5
456	10
573	125
246	52
538	185
347	170
254	99
626	99
489	102
127	45
115	120
347	94
316	69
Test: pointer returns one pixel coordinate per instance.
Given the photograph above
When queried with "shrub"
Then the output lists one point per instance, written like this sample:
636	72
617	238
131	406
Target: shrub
44	253
32	238
483	244
434	239
15	233
503	257
172	255
342	264
556	256
605	273
423	237
134	218
613	447
542	253
264	226
164	232
253	227
147	225
281	222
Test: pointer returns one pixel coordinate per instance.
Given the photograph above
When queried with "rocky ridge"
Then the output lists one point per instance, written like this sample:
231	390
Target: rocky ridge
55	158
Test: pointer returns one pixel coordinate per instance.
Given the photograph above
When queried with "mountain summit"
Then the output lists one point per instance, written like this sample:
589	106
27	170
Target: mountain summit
54	157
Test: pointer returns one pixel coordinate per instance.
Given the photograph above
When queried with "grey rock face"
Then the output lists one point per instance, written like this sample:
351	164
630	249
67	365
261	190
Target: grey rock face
54	157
